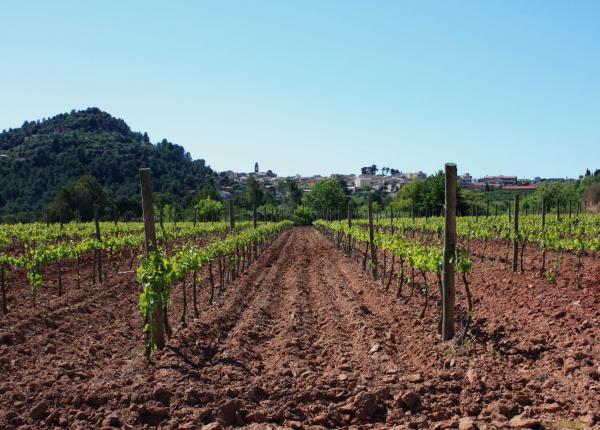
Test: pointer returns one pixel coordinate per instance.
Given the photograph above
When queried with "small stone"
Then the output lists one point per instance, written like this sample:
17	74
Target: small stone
38	411
410	399
256	417
112	421
550	407
154	410
227	413
523	400
365	405
375	348
321	419
466	424
413	377
212	426
342	377
471	376
162	394
497	408
524	423
570	366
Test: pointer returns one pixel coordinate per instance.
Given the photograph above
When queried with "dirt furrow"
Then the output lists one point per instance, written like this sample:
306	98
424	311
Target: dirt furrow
303	338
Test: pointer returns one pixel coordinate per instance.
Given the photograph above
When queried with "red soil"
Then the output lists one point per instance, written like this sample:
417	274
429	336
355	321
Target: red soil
305	339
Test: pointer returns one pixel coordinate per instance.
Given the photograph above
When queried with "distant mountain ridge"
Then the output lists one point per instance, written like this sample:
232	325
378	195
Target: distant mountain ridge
39	157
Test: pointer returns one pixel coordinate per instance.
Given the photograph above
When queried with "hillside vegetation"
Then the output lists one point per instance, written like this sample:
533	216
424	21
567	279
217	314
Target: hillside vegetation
40	157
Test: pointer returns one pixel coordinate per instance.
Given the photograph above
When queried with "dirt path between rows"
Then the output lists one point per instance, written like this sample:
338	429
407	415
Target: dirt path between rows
304	339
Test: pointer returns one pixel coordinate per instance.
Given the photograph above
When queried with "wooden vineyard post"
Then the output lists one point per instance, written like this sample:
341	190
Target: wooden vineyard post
558	211
47	217
543	270
231	216
543	214
3	288
516	233
349	226
448	291
509	213
156	320
349	215
254	216
195	215
98	238
570	210
371	237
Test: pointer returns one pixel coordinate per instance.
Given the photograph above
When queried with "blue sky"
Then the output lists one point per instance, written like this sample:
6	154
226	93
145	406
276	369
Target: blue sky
499	87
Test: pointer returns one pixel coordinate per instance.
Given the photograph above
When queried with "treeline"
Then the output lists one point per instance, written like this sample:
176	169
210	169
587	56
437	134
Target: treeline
327	199
78	200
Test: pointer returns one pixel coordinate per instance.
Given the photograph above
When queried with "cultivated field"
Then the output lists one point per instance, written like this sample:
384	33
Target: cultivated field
298	335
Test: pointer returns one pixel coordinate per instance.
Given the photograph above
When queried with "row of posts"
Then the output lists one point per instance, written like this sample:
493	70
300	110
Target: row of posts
448	327
156	320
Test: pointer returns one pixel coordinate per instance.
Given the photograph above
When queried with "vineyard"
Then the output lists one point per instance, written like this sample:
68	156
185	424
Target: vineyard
232	324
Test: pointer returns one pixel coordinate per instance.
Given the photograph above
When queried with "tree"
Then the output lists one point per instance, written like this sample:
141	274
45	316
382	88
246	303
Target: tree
426	196
290	192
79	198
410	196
209	210
327	198
302	215
553	193
370	170
209	191
254	193
591	196
267	211
128	208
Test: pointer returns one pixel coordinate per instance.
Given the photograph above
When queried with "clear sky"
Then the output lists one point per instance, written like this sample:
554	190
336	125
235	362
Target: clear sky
499	87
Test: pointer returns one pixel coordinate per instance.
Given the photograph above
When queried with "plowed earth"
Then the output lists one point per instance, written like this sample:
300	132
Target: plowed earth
305	339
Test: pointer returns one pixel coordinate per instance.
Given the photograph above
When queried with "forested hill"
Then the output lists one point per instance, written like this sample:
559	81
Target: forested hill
41	156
